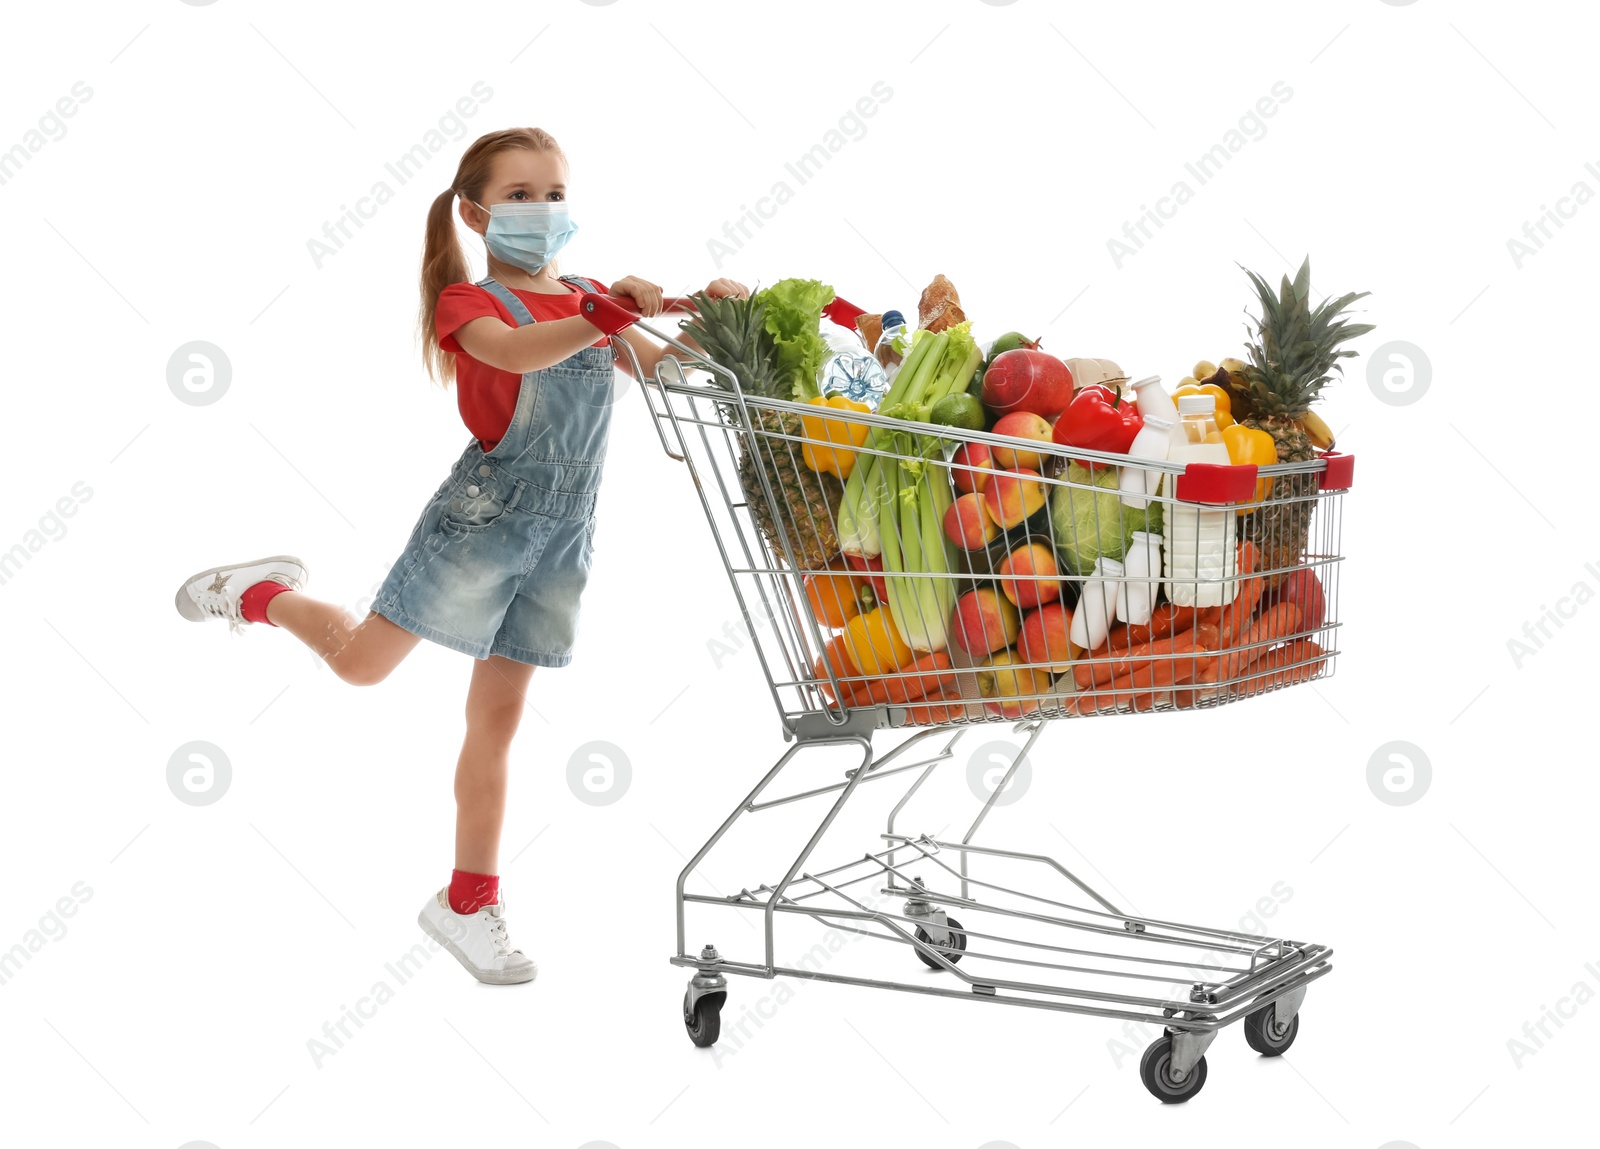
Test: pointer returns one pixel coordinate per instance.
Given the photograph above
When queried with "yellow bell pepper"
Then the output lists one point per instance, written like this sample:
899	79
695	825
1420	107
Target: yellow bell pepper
844	435
1247	445
874	643
1224	413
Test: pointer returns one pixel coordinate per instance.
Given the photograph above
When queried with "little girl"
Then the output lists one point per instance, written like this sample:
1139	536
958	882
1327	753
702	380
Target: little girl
498	559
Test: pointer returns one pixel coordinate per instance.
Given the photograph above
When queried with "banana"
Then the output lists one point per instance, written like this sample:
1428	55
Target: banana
1204	369
1317	430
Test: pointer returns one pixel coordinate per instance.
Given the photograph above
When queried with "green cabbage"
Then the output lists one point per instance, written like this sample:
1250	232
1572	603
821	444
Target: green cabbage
794	318
1091	524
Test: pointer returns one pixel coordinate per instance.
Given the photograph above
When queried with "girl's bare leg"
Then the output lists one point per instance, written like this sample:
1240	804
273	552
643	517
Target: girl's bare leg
362	653
495	702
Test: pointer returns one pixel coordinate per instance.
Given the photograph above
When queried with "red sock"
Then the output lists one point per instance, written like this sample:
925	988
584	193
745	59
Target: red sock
470	892
253	602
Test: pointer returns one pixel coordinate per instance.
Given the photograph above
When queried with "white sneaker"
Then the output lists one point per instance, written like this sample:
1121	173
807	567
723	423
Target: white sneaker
478	940
215	593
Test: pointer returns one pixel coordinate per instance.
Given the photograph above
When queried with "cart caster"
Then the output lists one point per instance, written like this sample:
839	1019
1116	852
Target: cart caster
703	1019
1266	1036
952	948
1155	1070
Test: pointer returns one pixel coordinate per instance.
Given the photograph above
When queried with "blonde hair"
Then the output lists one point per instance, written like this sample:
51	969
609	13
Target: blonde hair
443	261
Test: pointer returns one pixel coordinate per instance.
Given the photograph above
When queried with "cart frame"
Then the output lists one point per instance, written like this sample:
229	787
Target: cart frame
1091	957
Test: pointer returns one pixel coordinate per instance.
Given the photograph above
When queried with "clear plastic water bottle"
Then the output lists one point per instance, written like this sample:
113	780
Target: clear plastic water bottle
891	356
850	369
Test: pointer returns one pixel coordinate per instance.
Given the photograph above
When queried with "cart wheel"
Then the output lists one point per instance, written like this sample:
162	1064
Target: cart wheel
705	1022
952	950
1265	1035
1155	1070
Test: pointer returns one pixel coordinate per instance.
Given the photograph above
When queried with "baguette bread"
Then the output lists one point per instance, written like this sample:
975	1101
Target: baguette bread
940	306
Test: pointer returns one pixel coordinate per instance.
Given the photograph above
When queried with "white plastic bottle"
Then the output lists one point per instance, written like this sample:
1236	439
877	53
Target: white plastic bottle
1097	605
1199	540
1136	594
1153	441
1152	399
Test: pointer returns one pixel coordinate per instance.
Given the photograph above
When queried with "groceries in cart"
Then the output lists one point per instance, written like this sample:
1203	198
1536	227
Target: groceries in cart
991	530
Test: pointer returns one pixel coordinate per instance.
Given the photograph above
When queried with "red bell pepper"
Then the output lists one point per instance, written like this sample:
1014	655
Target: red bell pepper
871	567
1098	420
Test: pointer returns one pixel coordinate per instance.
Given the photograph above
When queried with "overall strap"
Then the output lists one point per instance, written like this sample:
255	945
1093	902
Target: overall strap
519	310
580	282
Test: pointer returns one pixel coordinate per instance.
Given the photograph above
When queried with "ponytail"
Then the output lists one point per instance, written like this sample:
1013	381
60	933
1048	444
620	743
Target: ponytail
443	261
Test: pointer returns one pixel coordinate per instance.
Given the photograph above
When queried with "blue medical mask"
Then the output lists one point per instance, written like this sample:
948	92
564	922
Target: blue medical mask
527	235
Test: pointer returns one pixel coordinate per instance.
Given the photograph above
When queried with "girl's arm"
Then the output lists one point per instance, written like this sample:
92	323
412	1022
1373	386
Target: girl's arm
489	339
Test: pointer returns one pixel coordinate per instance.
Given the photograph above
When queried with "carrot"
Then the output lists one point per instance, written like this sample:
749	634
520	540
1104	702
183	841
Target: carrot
1207	636
1236	616
834	654
930	673
1292	662
947	707
1277	622
1119	638
1086	668
1089	702
1120	672
1163	622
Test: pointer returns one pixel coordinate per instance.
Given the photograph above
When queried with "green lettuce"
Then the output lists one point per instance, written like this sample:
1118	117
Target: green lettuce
793	318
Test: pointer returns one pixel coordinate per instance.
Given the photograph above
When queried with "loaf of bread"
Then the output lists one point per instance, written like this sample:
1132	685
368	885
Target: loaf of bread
870	327
940	306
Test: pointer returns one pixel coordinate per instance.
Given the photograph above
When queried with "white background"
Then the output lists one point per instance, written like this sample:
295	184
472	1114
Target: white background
1019	138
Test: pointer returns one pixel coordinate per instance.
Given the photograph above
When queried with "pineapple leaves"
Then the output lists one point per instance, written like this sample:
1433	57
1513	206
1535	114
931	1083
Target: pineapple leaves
1296	346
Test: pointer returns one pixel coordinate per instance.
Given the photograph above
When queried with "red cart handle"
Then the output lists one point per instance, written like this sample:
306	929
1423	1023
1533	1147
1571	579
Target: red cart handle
614	313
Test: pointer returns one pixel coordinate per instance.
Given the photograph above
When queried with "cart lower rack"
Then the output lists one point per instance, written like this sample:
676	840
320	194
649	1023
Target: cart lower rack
1002	925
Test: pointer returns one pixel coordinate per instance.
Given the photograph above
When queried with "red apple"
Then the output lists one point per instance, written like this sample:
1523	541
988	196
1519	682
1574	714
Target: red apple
1024	380
1023	591
968	525
1012	496
1022	425
984	622
1044	640
1302	587
971	455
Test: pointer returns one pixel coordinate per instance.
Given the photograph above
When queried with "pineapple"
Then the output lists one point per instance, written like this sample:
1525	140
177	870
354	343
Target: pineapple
733	333
1295	351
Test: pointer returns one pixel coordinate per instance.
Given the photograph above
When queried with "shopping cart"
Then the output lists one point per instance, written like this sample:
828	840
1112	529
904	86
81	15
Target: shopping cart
1058	944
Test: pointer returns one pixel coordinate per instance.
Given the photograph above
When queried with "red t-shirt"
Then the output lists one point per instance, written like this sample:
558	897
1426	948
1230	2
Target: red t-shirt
487	396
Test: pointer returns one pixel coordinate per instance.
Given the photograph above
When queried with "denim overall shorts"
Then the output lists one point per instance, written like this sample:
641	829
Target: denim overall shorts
500	555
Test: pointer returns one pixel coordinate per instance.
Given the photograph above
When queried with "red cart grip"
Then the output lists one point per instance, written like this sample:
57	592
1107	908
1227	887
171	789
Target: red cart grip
1217	483
612	313
1340	473
606	313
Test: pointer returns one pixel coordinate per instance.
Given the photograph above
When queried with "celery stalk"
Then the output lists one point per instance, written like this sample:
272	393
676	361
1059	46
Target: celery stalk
859	532
937	595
